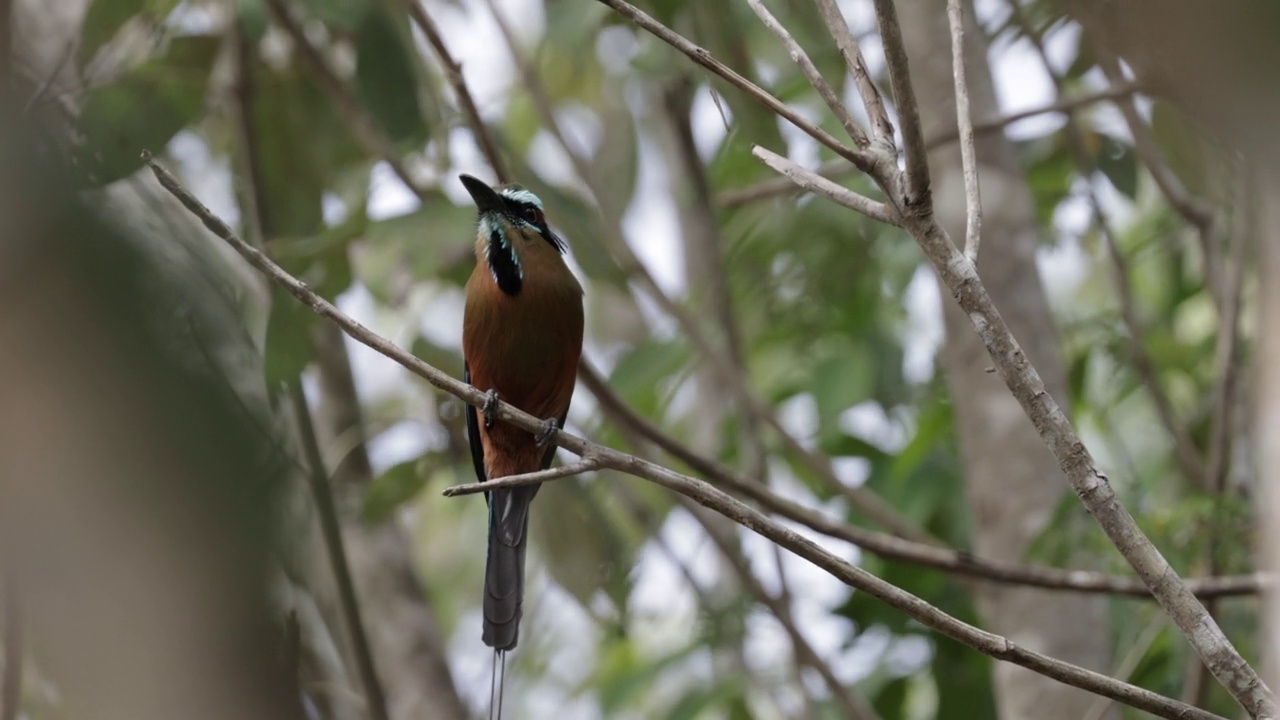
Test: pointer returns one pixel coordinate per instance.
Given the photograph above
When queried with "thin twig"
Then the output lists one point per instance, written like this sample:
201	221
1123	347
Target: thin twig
453	71
888	546
775	186
964	123
916	195
852	53
538	477
1062	104
862	160
704	494
801	59
815	183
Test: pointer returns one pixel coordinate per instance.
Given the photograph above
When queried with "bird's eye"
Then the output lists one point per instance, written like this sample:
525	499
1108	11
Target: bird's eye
532	214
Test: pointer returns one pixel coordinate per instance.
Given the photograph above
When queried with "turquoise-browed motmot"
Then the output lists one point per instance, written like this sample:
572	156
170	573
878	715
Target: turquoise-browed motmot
521	339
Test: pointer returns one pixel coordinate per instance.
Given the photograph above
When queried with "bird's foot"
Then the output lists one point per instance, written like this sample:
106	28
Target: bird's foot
490	408
549	430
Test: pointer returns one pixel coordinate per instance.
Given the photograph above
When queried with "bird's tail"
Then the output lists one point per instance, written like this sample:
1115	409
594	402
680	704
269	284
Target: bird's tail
504	571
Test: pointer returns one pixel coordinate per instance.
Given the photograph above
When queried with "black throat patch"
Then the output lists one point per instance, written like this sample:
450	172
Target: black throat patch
503	263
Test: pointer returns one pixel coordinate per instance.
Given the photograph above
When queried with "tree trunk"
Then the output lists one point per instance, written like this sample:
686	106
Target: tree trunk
1012	480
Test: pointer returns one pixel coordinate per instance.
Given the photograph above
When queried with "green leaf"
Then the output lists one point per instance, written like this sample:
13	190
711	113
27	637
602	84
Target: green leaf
703	697
1185	151
385	81
640	373
288	346
303	149
104	19
433	241
843	376
396	486
1115	159
341	14
581	536
144	109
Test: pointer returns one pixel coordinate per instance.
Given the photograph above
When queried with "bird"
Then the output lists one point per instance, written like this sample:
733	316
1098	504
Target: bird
521	341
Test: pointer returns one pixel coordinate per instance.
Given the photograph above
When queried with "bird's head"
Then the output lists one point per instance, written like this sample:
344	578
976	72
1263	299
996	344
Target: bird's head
511	225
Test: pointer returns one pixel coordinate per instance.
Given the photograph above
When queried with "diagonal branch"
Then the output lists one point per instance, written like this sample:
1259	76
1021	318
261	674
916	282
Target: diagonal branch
818	185
801	59
888	546
700	492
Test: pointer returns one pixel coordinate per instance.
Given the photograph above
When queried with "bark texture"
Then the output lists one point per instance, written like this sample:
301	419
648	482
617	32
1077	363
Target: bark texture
1012	479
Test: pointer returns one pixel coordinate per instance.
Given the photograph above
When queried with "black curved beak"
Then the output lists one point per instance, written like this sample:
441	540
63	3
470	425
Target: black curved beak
485	197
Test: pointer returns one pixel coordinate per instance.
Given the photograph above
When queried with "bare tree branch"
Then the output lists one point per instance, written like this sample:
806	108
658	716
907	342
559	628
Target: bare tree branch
702	493
852	54
801	59
862	160
818	185
773	187
586	465
895	548
915	191
964	125
776	186
1063	104
453	71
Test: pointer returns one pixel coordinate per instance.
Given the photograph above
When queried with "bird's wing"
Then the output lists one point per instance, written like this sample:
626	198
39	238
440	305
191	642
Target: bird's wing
473	432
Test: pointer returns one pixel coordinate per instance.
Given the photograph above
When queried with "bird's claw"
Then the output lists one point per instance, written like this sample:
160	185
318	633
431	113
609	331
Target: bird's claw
549	430
490	408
